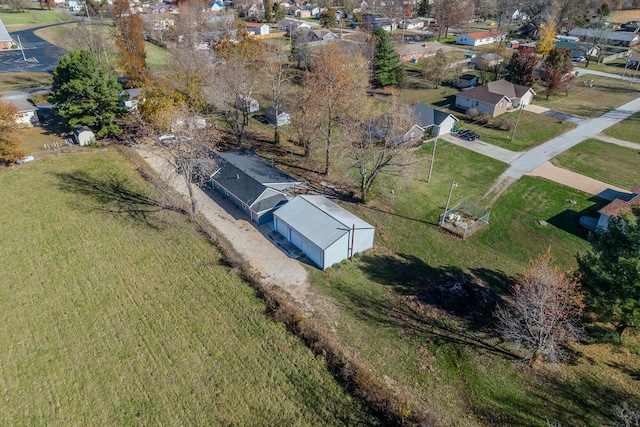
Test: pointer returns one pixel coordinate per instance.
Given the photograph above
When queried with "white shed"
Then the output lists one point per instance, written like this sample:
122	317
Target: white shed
324	231
84	136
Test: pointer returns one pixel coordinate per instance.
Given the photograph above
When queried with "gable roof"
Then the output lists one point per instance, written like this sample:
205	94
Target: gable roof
319	219
4	34
253	166
619	207
494	92
254	25
426	116
23	105
623	36
485	34
273	112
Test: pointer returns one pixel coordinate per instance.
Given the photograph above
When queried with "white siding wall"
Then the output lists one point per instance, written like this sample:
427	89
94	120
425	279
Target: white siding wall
338	251
446	126
464	103
363	240
314	253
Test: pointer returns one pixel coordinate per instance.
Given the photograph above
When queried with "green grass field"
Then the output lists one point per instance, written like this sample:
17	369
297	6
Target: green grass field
532	130
112	313
393	306
595	159
605	95
31	17
15	81
627	130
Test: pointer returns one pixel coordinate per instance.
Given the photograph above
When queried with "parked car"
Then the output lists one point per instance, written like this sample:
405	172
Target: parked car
472	136
463	132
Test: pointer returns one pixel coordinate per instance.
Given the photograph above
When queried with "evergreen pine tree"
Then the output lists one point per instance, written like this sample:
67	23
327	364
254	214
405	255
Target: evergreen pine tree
386	62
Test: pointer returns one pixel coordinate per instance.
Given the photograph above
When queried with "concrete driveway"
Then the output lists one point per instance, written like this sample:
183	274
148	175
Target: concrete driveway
483	148
40	56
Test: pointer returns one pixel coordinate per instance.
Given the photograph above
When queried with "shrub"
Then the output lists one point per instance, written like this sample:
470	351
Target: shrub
502	124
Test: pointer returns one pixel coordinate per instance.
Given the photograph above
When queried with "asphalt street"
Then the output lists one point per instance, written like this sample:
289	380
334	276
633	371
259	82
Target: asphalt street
41	56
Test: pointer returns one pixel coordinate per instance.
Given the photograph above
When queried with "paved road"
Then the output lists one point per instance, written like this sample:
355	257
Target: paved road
41	56
583	71
535	157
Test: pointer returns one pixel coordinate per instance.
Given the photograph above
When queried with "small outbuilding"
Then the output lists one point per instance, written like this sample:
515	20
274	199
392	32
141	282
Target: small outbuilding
84	136
322	230
5	39
278	117
27	112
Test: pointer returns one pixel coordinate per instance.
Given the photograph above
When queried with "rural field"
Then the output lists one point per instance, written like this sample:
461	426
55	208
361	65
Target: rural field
113	313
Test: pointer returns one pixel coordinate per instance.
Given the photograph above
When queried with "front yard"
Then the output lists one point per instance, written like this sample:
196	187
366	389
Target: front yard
605	95
628	129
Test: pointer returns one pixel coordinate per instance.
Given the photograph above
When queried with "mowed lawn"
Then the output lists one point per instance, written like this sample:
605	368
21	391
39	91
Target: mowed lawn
628	129
603	161
425	297
114	314
31	17
605	95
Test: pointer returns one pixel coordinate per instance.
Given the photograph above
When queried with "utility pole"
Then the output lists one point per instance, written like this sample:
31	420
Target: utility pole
433	158
21	49
446	208
87	9
517	120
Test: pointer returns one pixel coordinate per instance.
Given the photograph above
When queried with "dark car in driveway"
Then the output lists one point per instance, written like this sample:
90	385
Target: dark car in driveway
471	136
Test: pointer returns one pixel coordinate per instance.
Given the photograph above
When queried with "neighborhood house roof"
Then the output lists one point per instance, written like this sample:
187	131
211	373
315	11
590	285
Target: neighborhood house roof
256	168
319	219
622	36
4	34
494	92
23	105
273	112
426	116
619	207
479	35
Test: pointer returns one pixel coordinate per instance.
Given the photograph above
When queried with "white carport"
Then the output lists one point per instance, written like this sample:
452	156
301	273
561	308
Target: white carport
324	231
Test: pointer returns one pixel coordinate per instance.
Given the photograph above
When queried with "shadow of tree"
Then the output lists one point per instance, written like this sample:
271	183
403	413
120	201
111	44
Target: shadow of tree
425	292
115	195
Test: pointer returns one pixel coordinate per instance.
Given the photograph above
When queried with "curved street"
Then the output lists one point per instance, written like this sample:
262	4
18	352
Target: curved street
40	56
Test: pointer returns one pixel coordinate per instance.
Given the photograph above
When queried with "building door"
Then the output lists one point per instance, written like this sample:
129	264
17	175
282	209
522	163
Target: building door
296	238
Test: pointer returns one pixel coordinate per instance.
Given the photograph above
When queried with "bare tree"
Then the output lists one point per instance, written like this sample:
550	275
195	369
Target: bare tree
339	81
439	67
86	36
544	312
377	145
539	12
18	5
304	120
452	13
187	151
278	77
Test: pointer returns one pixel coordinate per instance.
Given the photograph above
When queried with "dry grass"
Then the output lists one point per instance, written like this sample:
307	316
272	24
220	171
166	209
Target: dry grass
15	81
622	16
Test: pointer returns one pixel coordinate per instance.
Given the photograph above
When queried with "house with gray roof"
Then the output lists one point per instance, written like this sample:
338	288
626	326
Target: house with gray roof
495	98
620	38
5	39
431	121
248	182
322	230
27	112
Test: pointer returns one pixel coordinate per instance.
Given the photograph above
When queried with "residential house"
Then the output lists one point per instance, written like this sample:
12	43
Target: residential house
27	112
132	99
216	6
415	51
517	15
5	39
257	28
412	24
315	35
372	22
578	49
495	98
430	121
487	61
322	230
84	136
302	13
278	117
162	8
619	38
244	103
248	182
632	26
466	80
622	204
290	25
480	38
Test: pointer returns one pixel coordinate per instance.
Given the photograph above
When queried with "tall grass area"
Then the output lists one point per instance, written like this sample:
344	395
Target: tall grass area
418	307
115	313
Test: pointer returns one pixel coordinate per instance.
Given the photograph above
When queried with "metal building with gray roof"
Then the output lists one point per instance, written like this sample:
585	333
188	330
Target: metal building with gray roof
324	231
5	39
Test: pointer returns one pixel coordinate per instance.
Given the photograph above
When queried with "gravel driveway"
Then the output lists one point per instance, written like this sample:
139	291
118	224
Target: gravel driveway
257	244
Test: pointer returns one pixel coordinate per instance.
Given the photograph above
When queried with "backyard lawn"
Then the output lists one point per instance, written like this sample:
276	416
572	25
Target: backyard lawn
112	313
605	95
628	129
31	17
15	81
606	162
396	300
